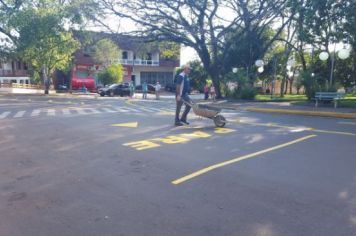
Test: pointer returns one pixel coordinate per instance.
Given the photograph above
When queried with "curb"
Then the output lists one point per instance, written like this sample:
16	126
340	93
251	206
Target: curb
304	113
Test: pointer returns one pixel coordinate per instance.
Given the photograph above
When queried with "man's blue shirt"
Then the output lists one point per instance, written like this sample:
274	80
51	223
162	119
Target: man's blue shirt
186	84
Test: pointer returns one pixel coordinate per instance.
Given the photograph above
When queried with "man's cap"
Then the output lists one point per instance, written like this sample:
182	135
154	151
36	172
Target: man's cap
187	66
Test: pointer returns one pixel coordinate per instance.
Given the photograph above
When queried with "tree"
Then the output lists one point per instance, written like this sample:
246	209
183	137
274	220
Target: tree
11	12
9	9
106	52
39	31
43	42
201	24
198	75
318	25
350	29
112	74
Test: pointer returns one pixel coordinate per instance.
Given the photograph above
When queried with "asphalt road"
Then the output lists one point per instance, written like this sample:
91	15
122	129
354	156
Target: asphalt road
110	166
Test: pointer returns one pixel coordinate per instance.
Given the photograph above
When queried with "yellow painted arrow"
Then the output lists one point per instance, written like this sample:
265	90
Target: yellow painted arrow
128	125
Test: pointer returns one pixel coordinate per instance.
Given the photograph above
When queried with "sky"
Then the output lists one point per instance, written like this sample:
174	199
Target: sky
187	54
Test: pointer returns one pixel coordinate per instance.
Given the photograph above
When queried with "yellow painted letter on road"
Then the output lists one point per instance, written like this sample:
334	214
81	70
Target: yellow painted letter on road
172	140
197	134
223	130
142	145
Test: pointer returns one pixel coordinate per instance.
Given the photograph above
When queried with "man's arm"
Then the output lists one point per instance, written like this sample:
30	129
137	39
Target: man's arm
179	87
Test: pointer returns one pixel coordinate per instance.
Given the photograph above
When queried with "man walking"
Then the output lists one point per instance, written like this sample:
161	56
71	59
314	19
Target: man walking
182	94
157	89
144	90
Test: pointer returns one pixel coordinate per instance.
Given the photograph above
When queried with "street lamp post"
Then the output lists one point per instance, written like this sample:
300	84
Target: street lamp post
342	54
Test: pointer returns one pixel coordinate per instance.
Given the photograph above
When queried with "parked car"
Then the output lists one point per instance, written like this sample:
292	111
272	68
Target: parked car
150	87
62	88
170	87
115	89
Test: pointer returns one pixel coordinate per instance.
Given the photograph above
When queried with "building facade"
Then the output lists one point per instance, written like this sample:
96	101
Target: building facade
14	71
141	62
149	67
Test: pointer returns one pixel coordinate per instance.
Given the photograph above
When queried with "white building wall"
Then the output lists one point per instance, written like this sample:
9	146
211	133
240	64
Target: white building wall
155	56
22	80
6	66
130	55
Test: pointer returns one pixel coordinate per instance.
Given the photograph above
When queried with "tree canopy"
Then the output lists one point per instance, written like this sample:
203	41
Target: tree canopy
203	25
105	52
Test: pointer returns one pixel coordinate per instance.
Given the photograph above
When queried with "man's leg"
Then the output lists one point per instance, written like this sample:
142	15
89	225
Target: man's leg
178	107
186	98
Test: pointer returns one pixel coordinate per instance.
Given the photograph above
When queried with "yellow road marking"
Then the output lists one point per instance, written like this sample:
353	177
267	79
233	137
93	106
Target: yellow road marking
142	145
347	123
223	130
222	164
128	125
267	125
172	140
305	113
333	132
298	128
197	134
166	113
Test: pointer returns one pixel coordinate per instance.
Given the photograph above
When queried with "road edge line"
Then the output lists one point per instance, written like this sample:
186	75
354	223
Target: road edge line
244	157
304	113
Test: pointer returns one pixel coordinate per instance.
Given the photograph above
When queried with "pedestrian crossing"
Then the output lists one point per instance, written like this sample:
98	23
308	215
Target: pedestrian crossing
75	111
66	112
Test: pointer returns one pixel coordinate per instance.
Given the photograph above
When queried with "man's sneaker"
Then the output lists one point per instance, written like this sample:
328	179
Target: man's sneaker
185	122
178	123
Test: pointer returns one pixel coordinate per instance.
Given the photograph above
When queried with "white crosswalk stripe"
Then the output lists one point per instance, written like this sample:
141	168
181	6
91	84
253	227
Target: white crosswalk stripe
81	111
155	109
121	109
130	109
5	114
51	112
167	110
66	112
35	112
108	110
93	110
19	114
147	109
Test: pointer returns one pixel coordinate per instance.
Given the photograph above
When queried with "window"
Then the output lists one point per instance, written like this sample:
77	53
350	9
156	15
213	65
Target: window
124	55
25	67
81	74
19	65
163	78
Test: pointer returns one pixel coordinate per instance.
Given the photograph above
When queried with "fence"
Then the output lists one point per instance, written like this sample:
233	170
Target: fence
18	85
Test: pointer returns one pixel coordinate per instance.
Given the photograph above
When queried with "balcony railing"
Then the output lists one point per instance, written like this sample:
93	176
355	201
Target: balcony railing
13	72
139	62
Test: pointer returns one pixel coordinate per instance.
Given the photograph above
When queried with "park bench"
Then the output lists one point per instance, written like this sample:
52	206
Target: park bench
328	96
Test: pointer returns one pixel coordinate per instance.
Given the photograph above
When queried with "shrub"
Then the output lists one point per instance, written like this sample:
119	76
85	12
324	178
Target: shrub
113	74
247	93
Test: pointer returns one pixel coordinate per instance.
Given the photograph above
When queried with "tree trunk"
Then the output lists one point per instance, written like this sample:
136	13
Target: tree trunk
282	86
216	82
291	86
44	78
